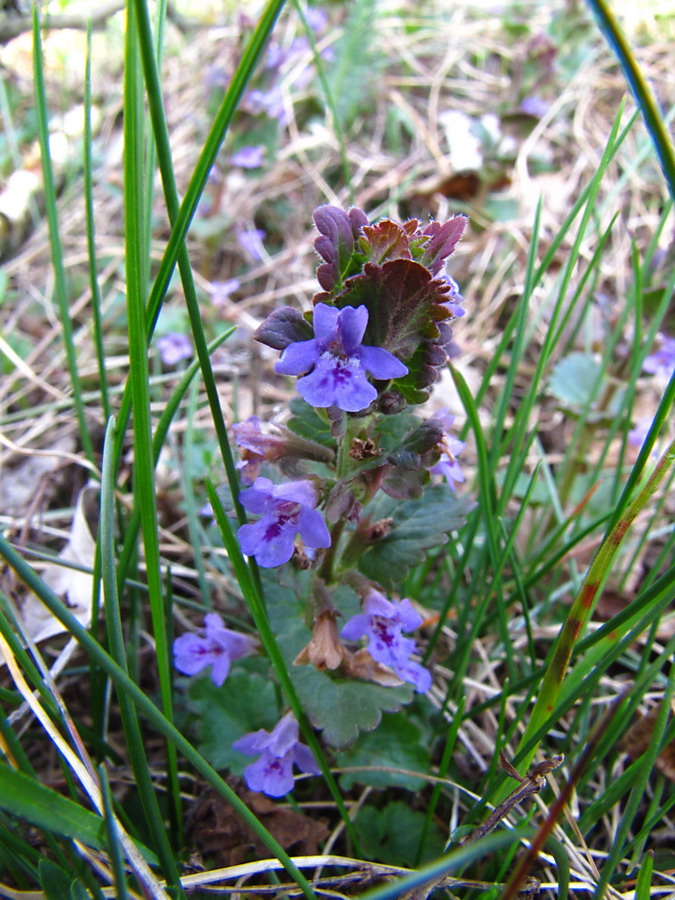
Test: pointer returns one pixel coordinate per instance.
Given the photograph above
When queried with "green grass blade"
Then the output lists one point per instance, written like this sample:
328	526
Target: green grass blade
24	796
114	849
584	603
143	466
130	723
641	91
50	193
147	707
88	184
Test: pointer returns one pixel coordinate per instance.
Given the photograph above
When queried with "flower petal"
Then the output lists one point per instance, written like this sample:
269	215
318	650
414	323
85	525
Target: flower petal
326	320
356	627
284	735
337	382
381	363
270	775
305	761
312	529
353	322
298	358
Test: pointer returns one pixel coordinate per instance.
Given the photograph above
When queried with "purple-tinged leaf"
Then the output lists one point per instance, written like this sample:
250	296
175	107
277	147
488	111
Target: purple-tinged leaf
384	241
443	240
403	301
282	327
336	241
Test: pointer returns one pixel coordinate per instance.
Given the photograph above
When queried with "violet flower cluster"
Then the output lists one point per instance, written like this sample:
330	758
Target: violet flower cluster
365	357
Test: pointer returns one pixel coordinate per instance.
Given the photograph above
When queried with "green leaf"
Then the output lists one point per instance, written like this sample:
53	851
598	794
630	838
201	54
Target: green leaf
573	379
575	382
246	702
308	424
392	834
397	743
342	709
43	807
58	884
339	707
418	526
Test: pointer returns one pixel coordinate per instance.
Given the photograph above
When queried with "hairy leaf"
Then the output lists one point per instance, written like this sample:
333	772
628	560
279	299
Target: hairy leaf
282	327
308	424
403	301
418	526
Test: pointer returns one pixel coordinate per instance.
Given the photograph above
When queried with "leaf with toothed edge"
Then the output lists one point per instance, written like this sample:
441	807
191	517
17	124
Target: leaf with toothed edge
418	526
341	708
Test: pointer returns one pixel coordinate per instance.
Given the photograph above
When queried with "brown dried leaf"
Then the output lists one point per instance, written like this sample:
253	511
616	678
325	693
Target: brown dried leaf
639	736
220	834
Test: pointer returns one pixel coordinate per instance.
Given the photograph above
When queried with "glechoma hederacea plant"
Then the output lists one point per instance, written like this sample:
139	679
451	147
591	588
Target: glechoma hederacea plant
376	340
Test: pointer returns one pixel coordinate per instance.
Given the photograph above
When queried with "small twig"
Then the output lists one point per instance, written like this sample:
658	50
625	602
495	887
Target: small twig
532	783
13	26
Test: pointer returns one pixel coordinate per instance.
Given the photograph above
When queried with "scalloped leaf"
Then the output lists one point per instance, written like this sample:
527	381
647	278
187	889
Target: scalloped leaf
338	707
444	238
396	744
336	243
418	526
403	302
392	834
246	702
282	327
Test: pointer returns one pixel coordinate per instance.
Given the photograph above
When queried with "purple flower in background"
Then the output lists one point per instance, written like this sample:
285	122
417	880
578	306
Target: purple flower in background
173	347
251	242
249	157
221	290
317	19
286	510
383	622
218	648
272	772
256	447
664	358
337	362
638	435
450	448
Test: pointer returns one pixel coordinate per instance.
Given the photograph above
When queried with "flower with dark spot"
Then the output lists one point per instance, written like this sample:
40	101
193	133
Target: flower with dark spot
279	749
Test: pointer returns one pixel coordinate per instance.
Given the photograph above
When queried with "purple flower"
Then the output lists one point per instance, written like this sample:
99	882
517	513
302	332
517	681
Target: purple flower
248	157
638	435
286	510
317	19
256	447
218	648
337	362
251	242
450	448
221	290
664	358
272	772
173	347
384	621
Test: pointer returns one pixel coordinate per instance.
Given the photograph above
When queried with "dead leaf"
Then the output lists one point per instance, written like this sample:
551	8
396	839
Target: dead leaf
224	838
639	736
74	587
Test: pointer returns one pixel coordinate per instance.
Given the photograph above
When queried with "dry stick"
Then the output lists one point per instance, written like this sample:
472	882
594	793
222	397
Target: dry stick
532	783
557	806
